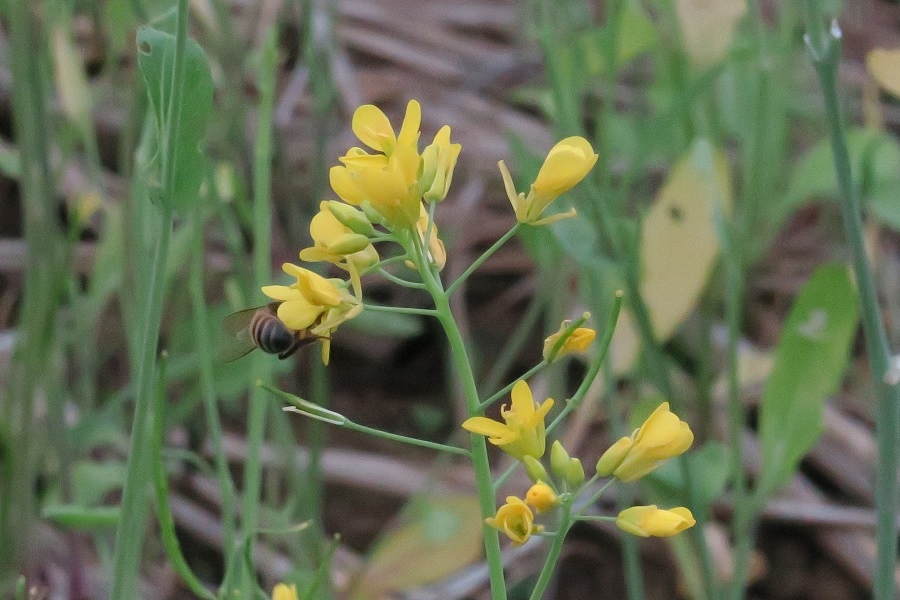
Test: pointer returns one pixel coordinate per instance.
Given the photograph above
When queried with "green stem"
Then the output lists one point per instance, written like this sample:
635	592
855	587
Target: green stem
129	535
484	487
161	485
506	389
480	260
404	439
402	310
565	522
415	285
824	48
603	518
262	227
208	390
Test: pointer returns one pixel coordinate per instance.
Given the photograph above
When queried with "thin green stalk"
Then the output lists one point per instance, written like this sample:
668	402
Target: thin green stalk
262	228
402	310
824	48
405	440
129	539
42	284
161	486
508	387
483	484
480	260
208	390
565	522
741	504
415	285
129	535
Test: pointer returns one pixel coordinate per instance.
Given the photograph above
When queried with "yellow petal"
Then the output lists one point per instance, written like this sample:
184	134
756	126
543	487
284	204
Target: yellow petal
284	592
325	228
280	292
298	314
523	401
490	428
409	130
566	164
345	187
373	128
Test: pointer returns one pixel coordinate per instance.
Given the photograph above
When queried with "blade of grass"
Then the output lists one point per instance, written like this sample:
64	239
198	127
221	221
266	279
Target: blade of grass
262	231
824	49
129	534
161	486
44	278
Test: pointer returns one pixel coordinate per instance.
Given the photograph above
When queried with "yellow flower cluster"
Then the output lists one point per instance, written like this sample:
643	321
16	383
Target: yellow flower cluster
522	434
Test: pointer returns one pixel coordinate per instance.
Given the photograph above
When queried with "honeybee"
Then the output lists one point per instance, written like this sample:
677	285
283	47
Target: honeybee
260	328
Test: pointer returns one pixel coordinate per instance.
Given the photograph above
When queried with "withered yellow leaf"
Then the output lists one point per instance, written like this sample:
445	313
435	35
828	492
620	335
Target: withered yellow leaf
439	535
678	247
707	28
884	65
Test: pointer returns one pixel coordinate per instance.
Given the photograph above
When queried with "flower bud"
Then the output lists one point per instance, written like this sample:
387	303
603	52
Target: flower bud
559	459
535	470
350	244
574	473
351	218
612	458
541	497
646	521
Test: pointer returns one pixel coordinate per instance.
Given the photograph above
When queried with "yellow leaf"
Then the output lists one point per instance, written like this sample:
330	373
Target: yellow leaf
707	28
884	65
679	246
679	242
439	535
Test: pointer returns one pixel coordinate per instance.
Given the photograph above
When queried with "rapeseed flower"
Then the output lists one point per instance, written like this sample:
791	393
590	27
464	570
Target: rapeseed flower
438	162
646	521
523	431
566	164
662	436
283	591
578	341
334	242
516	520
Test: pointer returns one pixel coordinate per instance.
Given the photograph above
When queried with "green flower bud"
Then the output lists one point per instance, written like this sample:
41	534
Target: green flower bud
534	468
559	460
574	473
351	218
350	243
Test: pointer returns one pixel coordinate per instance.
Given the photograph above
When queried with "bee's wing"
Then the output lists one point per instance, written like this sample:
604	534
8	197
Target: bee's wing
236	340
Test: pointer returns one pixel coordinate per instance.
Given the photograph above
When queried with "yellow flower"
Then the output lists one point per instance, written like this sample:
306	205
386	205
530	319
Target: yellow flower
662	436
516	520
541	497
387	184
438	162
522	433
646	521
283	591
336	243
578	341
373	128
315	303
566	164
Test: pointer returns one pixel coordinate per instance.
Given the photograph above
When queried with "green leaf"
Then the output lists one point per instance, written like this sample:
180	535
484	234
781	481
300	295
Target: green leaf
875	163
439	535
93	480
636	34
709	466
81	518
156	60
809	364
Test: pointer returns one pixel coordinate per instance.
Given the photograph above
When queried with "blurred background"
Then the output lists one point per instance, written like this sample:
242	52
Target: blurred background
724	84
